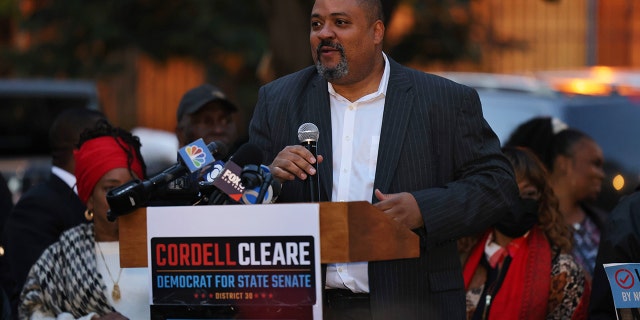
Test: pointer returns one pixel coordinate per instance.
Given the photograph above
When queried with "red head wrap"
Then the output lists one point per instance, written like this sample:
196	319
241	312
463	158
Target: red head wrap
98	156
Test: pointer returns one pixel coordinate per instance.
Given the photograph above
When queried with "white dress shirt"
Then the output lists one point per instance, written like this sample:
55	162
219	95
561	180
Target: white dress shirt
355	132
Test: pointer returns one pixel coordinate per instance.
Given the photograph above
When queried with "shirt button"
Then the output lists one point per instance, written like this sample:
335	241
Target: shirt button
347	138
340	269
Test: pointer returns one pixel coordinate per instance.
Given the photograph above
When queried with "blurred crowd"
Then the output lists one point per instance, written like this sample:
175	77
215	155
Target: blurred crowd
551	241
58	236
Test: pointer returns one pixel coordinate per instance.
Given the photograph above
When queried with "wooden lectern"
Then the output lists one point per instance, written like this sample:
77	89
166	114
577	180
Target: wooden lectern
349	232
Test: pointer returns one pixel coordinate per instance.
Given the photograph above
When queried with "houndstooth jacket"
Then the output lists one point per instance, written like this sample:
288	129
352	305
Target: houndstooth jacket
65	281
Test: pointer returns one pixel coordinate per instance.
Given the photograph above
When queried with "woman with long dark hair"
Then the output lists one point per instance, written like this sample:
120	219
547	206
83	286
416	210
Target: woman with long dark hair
522	267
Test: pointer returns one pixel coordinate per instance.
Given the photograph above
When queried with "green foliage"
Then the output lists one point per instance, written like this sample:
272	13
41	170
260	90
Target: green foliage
79	38
87	38
8	9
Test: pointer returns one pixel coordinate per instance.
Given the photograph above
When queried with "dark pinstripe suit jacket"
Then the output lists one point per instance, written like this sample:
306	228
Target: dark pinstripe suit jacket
435	144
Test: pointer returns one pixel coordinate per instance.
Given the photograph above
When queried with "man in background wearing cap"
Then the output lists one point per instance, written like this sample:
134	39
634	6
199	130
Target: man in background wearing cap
205	112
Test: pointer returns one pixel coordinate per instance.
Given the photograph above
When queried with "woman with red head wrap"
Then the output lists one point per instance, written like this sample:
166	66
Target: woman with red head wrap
79	276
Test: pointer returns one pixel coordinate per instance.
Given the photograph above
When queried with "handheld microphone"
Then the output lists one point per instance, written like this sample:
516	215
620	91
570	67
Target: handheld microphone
308	135
259	185
228	183
136	193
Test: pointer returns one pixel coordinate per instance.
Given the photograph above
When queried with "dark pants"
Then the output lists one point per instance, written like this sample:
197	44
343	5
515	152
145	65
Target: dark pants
342	304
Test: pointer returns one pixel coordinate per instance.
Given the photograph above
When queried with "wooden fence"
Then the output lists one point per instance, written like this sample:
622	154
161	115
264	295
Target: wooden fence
148	95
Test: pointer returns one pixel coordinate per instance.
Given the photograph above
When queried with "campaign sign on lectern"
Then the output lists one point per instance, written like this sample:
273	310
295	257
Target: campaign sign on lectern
240	256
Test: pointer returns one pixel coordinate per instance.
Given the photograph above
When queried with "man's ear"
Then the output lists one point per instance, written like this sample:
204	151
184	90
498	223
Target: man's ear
378	32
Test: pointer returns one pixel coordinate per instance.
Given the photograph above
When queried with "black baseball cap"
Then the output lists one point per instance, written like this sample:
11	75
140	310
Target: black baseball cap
199	96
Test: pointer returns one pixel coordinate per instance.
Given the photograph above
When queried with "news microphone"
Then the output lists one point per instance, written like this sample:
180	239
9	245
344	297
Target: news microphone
259	185
136	193
228	185
308	135
188	189
214	171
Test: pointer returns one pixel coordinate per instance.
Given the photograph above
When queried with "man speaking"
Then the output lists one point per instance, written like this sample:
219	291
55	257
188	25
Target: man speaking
414	144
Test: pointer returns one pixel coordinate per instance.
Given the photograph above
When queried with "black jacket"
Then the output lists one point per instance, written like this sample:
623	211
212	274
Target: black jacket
36	221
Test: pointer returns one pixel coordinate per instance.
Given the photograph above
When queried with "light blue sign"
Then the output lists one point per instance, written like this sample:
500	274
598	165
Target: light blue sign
624	279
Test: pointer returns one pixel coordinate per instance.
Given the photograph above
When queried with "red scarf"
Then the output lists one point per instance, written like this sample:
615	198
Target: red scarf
524	294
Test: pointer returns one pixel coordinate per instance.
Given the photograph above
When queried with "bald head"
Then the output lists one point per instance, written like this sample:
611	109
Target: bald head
373	9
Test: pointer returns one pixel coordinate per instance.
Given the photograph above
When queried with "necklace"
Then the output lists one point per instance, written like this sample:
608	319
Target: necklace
115	291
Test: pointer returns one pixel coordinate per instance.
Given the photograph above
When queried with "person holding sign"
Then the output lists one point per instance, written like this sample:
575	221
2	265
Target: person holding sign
79	277
620	244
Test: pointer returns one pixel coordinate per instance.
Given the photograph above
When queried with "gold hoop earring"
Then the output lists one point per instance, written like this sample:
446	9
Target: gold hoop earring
88	214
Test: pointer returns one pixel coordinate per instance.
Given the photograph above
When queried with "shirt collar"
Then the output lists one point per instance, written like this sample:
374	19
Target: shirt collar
382	87
65	176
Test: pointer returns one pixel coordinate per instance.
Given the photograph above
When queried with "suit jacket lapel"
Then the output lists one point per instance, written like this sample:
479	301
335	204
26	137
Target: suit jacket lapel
395	119
318	111
397	112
